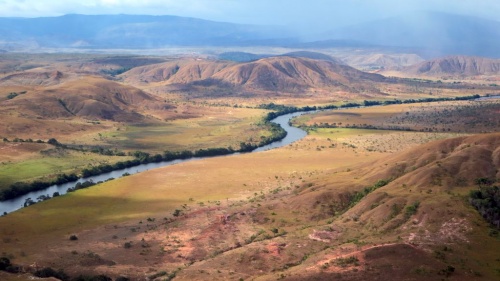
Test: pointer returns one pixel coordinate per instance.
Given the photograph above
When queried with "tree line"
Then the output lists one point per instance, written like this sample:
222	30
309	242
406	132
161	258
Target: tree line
140	157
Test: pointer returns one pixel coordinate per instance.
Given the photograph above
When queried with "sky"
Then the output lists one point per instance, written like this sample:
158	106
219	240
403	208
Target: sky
304	14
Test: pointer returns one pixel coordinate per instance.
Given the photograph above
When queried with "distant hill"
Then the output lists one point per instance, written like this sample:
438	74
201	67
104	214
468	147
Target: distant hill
455	65
381	61
133	31
248	57
312	55
240	56
435	34
428	34
33	78
282	73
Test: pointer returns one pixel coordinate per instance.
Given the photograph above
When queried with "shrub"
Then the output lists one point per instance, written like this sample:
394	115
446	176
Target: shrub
73	237
4	263
49	272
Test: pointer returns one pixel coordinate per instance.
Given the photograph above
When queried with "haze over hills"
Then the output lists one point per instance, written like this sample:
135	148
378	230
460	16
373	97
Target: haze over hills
377	61
131	31
430	33
455	65
426	33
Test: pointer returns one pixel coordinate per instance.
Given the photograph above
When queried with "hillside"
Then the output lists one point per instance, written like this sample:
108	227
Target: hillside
38	77
273	74
87	97
455	66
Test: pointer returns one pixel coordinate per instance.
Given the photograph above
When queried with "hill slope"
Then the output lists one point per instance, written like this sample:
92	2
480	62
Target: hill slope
88	97
455	65
275	74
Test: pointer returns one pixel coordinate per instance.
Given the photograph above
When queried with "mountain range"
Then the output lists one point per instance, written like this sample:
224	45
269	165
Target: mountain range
132	31
455	65
429	34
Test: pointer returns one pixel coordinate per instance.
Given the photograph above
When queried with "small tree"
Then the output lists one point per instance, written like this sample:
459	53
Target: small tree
4	263
53	141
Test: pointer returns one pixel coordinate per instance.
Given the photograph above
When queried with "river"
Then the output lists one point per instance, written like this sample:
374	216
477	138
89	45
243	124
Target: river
293	134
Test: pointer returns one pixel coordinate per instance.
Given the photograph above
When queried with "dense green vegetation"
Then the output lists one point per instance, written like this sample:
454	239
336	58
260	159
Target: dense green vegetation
486	200
15	94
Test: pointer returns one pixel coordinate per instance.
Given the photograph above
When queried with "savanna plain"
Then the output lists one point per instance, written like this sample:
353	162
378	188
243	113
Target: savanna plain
397	178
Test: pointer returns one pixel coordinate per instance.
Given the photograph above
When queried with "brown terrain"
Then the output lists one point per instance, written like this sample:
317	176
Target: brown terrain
275	75
340	204
452	67
306	231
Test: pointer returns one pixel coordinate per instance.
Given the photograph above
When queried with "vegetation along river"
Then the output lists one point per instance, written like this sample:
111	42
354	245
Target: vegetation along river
293	134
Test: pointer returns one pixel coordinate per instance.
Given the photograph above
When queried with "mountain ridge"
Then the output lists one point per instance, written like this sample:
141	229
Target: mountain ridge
281	73
455	65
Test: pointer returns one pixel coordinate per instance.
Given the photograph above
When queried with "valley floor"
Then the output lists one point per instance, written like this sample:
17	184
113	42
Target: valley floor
282	214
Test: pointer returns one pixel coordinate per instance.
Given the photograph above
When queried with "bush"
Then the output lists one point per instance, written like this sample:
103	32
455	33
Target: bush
73	237
49	272
486	200
92	278
4	263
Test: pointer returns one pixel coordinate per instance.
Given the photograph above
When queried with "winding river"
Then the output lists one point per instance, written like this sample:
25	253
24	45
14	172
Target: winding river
293	134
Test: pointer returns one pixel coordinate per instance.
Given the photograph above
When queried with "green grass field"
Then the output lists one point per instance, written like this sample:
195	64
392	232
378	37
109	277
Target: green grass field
40	167
190	134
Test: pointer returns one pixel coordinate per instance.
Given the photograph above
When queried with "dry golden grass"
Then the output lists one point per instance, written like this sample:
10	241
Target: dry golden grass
270	214
449	116
257	193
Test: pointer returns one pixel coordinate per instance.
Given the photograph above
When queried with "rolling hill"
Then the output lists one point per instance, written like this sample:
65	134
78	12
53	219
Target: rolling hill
455	66
86	97
273	74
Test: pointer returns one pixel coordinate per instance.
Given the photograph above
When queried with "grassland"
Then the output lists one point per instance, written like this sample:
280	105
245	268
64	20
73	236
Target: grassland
205	127
342	203
218	127
29	162
258	199
448	116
